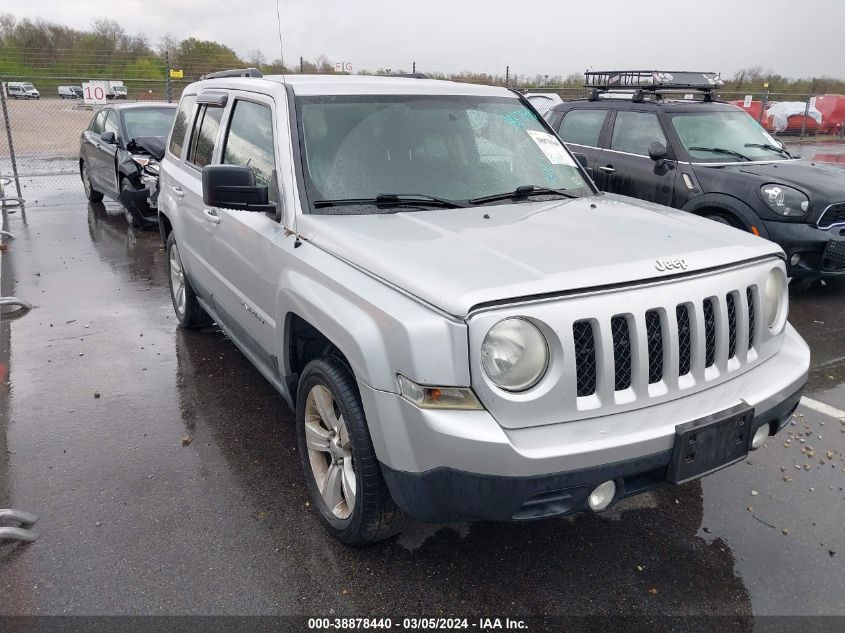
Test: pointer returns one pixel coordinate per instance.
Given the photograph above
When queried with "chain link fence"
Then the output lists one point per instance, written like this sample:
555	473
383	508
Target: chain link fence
39	138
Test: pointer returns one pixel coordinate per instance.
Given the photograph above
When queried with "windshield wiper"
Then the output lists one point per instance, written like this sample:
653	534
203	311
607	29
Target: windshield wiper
773	148
395	199
720	150
523	192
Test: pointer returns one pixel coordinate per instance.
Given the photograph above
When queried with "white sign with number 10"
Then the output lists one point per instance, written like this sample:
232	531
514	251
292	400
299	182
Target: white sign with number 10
94	92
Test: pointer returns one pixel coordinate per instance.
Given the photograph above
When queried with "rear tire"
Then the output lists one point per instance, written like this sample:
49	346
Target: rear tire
185	303
92	194
340	465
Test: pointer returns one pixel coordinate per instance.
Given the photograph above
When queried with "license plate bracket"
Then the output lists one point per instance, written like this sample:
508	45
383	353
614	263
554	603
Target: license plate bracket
705	445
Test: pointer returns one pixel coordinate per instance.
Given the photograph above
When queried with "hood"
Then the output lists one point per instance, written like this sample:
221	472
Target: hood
456	259
820	181
152	145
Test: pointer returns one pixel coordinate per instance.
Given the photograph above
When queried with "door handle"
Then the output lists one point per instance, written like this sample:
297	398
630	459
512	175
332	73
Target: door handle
608	169
211	216
177	191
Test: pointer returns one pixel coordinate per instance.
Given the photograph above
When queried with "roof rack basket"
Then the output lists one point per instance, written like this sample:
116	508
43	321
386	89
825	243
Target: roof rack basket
235	72
656	82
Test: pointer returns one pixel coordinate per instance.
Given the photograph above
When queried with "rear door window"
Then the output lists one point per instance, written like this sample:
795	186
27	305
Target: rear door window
582	127
633	132
204	136
180	124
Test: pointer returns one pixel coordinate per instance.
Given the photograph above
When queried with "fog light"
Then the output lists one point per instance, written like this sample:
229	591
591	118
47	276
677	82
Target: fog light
601	497
760	436
795	260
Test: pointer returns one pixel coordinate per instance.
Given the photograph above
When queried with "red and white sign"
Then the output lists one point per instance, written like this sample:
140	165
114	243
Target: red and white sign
95	92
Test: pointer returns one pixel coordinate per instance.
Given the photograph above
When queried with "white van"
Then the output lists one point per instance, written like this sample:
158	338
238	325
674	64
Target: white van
70	92
21	90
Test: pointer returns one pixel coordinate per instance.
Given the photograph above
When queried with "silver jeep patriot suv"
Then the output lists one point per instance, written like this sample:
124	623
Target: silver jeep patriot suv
464	325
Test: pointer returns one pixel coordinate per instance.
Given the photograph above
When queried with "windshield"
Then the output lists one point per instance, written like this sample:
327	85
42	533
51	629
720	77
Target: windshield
733	131
28	87
450	147
148	122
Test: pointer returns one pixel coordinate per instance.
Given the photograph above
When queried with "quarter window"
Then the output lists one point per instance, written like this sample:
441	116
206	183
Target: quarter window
249	140
204	136
582	127
97	123
110	124
180	124
635	131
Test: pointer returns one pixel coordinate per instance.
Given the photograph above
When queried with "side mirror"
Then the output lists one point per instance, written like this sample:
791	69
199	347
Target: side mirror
108	137
657	152
233	187
582	158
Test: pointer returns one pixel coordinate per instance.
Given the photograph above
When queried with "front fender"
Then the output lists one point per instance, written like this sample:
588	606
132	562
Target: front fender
380	330
731	204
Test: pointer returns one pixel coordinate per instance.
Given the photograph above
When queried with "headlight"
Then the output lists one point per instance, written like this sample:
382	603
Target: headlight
514	354
775	300
785	200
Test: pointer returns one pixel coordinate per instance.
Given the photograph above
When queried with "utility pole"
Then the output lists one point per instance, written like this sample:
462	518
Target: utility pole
414	66
168	90
301	65
507	76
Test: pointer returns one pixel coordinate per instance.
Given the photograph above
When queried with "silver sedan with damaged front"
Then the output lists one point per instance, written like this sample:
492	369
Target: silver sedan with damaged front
464	326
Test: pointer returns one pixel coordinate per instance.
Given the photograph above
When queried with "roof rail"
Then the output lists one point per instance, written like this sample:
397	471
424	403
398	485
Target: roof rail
657	82
410	75
235	72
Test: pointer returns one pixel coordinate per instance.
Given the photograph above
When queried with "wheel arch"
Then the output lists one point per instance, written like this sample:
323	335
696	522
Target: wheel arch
734	208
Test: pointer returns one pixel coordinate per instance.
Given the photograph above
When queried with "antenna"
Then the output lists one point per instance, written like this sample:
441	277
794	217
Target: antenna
281	47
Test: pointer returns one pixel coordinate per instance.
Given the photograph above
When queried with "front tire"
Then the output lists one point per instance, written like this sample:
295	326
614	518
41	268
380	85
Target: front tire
341	469
185	303
92	194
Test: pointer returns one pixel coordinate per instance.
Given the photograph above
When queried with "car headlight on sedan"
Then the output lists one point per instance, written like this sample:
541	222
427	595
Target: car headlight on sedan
775	300
515	354
785	201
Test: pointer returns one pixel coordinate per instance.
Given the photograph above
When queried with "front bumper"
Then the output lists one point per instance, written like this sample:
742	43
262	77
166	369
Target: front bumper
455	465
822	251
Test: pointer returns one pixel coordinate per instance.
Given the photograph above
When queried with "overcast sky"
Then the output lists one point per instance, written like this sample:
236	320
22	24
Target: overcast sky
792	38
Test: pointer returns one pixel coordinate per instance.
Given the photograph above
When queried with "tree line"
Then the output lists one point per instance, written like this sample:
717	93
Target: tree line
33	49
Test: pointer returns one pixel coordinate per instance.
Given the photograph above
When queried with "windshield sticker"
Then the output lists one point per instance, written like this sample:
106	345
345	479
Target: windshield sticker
549	173
551	147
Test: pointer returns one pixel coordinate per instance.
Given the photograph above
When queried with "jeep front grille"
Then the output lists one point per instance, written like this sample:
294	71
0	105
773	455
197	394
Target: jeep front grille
700	330
684	340
731	303
585	355
654	336
621	352
834	214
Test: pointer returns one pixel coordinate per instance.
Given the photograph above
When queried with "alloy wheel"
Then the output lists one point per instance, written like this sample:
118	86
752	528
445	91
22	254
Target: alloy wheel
177	281
330	452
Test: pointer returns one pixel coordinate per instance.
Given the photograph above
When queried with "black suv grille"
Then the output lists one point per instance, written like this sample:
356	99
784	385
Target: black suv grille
654	334
621	352
709	333
585	357
684	340
835	214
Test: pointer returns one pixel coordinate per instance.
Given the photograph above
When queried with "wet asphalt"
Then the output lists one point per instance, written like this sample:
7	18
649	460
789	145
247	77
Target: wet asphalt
164	471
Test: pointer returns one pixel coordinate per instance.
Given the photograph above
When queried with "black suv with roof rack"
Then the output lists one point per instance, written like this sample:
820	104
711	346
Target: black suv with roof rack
663	137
